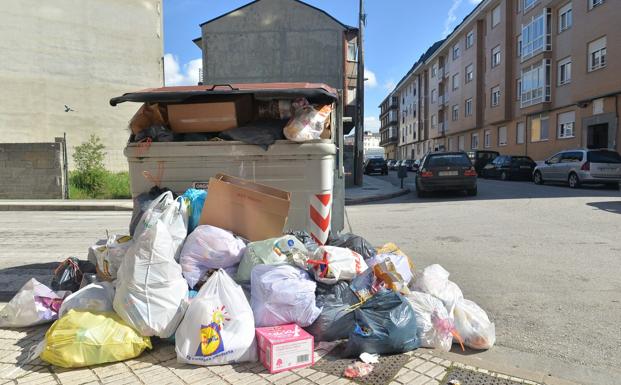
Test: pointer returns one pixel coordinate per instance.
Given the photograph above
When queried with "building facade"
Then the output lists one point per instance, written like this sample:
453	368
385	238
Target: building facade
525	77
62	61
389	125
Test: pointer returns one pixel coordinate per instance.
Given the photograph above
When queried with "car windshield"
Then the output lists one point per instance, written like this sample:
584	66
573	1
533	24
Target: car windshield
376	162
604	157
460	160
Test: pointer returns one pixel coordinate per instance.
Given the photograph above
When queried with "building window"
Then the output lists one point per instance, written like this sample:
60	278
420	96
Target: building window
461	142
469	39
455	81
519	45
495	96
595	3
502	136
528	4
518	87
597	54
455	112
520	133
564	71
539	128
468	107
536	84
495	56
434	121
434	70
433	95
536	35
566	122
352	51
455	51
496	16
469	73
474	144
487	138
598	106
565	18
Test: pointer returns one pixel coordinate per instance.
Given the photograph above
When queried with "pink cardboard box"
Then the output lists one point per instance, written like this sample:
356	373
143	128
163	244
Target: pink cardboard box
285	347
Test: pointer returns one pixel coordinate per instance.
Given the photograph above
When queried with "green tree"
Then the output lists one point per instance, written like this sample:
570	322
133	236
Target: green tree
90	172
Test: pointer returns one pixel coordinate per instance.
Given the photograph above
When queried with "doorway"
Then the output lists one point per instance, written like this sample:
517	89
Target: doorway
597	136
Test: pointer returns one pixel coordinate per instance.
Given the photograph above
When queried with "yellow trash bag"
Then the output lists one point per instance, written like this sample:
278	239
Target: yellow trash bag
82	338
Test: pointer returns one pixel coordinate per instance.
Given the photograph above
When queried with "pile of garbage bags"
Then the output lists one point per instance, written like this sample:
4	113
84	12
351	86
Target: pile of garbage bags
206	290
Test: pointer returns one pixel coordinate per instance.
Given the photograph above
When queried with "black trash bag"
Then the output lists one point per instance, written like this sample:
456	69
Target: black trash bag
384	324
305	238
157	133
68	275
141	202
263	133
195	137
87	279
353	242
337	318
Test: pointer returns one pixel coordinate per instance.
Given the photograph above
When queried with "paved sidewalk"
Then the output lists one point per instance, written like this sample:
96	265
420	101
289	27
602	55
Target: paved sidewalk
159	366
66	205
373	189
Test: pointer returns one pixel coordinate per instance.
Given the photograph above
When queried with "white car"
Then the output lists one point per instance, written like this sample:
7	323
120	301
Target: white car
581	166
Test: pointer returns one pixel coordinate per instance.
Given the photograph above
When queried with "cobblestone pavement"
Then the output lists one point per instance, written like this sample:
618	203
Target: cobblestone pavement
160	366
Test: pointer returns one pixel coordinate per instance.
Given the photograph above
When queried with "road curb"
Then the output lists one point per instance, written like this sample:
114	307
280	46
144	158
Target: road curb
374	198
64	207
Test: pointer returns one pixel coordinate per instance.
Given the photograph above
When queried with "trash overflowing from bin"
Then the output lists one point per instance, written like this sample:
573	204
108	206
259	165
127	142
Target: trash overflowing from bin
231	285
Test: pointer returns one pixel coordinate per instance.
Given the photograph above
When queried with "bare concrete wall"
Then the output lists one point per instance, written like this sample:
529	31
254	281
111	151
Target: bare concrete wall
274	41
31	170
79	53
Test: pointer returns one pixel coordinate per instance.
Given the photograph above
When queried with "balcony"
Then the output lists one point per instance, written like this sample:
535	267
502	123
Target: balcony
442	128
388	141
441	73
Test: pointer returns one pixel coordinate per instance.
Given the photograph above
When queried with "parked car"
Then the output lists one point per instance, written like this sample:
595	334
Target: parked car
409	164
391	164
376	165
480	158
397	164
446	171
581	166
509	167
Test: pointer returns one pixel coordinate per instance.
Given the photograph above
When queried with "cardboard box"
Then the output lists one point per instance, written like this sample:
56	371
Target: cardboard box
228	112
285	347
147	115
253	211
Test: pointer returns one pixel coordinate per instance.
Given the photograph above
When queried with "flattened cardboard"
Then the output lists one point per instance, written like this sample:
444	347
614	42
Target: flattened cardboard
215	116
253	211
146	116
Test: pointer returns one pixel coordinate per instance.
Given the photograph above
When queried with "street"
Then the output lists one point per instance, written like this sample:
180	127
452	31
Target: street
543	261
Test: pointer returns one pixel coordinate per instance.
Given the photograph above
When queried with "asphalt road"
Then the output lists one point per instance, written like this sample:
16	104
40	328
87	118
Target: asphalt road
542	260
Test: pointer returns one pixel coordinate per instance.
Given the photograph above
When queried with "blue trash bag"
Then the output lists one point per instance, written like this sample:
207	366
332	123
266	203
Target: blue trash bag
197	201
384	324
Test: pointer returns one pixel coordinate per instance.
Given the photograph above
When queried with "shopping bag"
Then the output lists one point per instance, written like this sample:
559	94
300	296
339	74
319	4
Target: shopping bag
209	247
434	326
282	294
353	242
83	338
68	274
108	257
273	251
332	264
33	304
434	280
196	200
474	326
218	327
95	297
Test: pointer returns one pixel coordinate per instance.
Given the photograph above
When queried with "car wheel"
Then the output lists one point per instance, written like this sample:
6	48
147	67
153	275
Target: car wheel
503	176
573	180
472	192
537	178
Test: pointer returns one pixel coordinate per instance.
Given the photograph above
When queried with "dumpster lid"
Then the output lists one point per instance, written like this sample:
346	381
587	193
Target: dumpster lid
317	92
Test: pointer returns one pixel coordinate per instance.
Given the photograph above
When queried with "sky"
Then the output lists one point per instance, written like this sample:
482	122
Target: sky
397	33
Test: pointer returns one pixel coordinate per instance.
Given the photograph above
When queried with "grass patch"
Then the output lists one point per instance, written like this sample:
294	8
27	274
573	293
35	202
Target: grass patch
115	185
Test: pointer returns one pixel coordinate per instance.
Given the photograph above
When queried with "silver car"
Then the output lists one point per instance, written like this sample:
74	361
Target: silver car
581	166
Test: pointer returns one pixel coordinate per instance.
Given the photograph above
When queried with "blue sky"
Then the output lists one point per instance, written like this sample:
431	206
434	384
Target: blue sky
397	33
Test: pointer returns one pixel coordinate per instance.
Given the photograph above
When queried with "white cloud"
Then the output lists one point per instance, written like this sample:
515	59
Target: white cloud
390	85
475	2
371	123
451	17
370	79
176	75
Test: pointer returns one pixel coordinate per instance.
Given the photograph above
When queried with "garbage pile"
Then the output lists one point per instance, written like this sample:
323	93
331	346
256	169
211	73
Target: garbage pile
225	295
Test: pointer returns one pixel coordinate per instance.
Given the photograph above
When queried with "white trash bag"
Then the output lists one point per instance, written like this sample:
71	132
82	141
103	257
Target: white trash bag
96	297
434	327
307	122
473	325
282	294
108	257
207	248
33	304
434	280
151	293
218	327
331	264
402	264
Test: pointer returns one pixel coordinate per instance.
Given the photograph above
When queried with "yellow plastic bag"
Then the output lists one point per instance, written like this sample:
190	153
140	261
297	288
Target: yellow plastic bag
82	338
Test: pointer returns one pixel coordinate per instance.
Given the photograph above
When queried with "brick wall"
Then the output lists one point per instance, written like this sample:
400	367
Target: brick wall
31	170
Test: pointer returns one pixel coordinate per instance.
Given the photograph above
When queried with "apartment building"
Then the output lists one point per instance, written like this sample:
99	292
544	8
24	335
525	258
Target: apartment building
528	77
389	125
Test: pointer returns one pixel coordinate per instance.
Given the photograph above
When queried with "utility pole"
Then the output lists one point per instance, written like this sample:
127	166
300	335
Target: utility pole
359	142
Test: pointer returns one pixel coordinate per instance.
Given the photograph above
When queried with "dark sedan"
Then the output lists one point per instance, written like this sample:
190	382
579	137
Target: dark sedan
508	167
441	171
376	165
